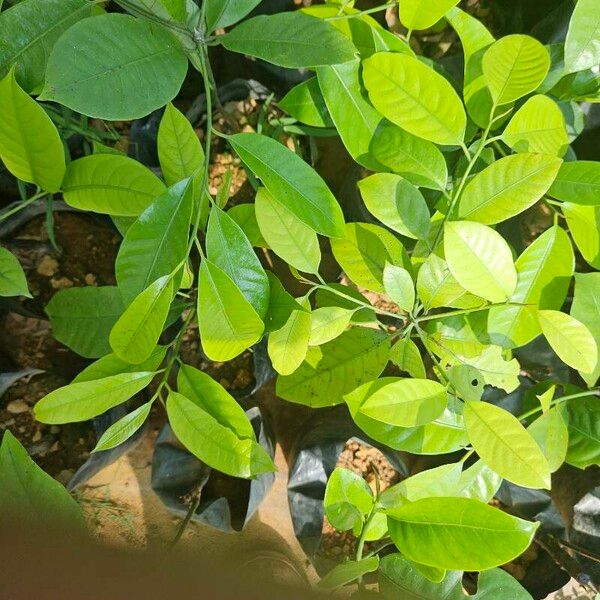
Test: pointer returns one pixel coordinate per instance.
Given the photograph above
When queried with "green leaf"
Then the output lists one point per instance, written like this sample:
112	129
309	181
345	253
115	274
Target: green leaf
124	428
467	381
395	83
578	182
150	63
348	499
336	368
12	277
222	13
399	286
584	432
496	370
290	39
228	322
214	444
497	583
135	335
327	323
514	66
289	237
354	117
212	398
584	225
544	272
179	149
112	184
245	216
505	445
538	126
478	482
480	260
29	30
82	318
422	14
586	309
347	572
417	160
570	339
87	399
396	203
291	181
551	433
507	187
458	533
157	242
229	249
406	356
305	102
582	46
27	492
30	146
406	402
364	252
288	345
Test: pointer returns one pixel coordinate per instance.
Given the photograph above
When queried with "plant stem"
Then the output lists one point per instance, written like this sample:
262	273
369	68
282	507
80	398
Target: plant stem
368	11
23	205
465	311
361	540
533	411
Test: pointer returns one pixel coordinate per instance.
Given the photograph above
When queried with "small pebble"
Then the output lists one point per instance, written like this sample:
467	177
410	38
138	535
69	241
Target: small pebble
90	279
48	266
16	407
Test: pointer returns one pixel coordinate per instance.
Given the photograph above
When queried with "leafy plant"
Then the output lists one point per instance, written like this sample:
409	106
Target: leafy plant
454	168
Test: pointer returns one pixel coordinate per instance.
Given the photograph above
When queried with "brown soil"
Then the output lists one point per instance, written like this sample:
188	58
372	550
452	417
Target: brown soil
372	465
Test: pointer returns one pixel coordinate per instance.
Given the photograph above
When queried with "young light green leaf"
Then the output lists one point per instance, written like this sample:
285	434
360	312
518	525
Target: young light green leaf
124	428
497	370
290	39
570	339
150	62
458	533
28	493
29	30
327	323
30	145
213	443
291	181
584	432
582	46
399	286
578	182
538	126
354	117
415	159
422	14
12	277
478	482
480	260
396	203
544	272
229	249
406	356
222	13
228	322
245	216
505	445
347	572
406	402
83	317
514	66
364	252
584	225
288	236
305	102
551	433
135	335
395	82
87	399
507	187
348	499
179	149
586	309
288	345
112	184
335	368
157	242
467	381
